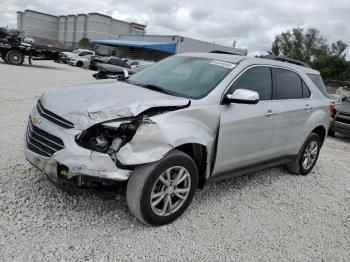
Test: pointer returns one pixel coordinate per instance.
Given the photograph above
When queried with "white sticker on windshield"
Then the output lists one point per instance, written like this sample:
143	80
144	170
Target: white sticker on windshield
222	63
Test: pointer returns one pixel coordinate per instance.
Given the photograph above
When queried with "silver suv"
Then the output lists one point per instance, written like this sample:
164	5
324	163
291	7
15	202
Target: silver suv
184	121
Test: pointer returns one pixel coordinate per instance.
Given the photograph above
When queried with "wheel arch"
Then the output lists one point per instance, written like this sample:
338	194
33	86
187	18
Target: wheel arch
199	154
321	131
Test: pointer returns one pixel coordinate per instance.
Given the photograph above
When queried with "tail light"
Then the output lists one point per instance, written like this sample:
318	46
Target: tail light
331	109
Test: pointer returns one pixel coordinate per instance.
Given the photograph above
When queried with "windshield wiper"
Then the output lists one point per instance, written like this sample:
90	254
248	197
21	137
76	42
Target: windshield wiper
155	88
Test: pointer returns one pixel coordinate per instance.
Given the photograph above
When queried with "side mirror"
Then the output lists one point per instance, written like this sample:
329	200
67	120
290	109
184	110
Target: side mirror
242	96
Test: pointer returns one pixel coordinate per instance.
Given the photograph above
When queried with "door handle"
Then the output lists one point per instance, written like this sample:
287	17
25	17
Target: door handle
270	113
308	107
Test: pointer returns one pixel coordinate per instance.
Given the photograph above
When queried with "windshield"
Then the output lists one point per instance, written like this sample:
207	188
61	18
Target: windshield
76	51
190	77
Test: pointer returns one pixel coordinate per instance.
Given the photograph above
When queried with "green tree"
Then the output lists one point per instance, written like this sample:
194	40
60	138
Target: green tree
311	47
86	44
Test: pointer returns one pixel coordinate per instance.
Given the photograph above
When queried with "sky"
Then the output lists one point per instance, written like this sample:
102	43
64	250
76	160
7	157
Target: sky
253	24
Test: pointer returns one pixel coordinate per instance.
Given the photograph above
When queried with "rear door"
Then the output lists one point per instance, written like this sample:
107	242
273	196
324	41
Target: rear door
248	133
293	97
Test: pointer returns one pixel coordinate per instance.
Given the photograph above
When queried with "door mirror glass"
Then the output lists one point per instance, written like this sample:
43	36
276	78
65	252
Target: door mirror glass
242	96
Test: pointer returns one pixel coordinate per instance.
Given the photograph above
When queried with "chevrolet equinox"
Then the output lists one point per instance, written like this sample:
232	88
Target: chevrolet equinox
178	124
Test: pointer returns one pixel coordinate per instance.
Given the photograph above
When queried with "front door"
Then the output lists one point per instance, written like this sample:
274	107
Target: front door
248	133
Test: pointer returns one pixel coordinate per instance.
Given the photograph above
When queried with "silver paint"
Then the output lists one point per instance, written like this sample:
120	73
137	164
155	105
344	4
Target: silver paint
245	133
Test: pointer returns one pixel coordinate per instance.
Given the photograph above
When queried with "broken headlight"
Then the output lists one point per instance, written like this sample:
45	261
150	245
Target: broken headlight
108	137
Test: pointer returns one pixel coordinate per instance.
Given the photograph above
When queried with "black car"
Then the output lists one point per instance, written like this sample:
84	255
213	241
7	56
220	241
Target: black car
107	71
341	119
96	62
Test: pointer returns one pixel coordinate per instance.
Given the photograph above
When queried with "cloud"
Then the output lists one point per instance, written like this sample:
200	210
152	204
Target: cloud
201	13
251	23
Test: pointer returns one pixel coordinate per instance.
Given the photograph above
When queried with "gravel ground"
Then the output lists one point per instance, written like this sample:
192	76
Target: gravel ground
266	216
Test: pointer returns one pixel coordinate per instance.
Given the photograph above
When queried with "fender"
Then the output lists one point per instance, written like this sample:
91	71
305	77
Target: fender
164	132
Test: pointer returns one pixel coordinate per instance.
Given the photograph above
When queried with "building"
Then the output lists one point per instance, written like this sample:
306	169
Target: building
156	47
67	30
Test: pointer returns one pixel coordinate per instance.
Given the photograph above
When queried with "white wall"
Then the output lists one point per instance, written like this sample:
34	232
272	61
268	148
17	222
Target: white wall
68	30
194	45
40	25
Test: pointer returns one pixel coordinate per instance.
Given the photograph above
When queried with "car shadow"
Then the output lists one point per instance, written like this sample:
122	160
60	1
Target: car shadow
35	66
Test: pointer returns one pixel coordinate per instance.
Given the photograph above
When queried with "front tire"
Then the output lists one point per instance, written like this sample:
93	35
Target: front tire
14	57
79	64
158	193
307	158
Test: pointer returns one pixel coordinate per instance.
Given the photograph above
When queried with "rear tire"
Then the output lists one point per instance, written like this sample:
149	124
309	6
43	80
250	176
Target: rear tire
307	158
15	57
172	181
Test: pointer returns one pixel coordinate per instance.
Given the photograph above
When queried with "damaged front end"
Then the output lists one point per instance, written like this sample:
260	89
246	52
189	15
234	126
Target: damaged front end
110	136
106	141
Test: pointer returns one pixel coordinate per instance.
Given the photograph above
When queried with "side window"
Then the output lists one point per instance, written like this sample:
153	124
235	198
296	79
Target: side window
306	90
288	84
256	79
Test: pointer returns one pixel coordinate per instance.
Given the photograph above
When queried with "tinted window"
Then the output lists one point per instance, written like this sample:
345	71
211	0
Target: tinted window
288	84
84	53
257	79
118	62
306	90
317	79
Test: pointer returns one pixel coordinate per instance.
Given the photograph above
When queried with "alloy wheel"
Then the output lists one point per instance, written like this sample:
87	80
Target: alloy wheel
310	155
170	191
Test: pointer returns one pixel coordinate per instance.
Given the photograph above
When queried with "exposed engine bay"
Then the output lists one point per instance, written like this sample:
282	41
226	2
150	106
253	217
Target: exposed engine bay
109	137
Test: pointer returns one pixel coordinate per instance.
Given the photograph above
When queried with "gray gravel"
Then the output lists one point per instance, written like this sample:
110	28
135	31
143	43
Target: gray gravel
266	216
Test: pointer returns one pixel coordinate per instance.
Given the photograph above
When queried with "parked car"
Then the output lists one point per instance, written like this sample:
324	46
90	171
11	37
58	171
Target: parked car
95	63
341	119
337	101
185	121
80	61
137	63
65	56
108	71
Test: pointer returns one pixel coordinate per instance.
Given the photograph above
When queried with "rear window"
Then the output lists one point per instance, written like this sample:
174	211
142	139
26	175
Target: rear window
289	85
317	79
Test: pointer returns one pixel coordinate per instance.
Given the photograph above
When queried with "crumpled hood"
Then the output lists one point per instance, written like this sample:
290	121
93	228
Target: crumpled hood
89	103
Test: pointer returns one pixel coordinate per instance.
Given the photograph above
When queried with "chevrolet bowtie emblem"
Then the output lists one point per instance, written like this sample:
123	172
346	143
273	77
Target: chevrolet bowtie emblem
35	120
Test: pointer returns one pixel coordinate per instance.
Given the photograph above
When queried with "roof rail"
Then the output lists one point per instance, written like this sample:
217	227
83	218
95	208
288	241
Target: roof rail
223	52
287	60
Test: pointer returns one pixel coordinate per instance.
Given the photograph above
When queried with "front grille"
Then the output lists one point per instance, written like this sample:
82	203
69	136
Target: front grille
52	117
41	142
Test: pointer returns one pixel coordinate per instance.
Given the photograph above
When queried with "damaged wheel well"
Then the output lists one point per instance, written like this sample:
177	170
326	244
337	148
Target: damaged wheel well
198	153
